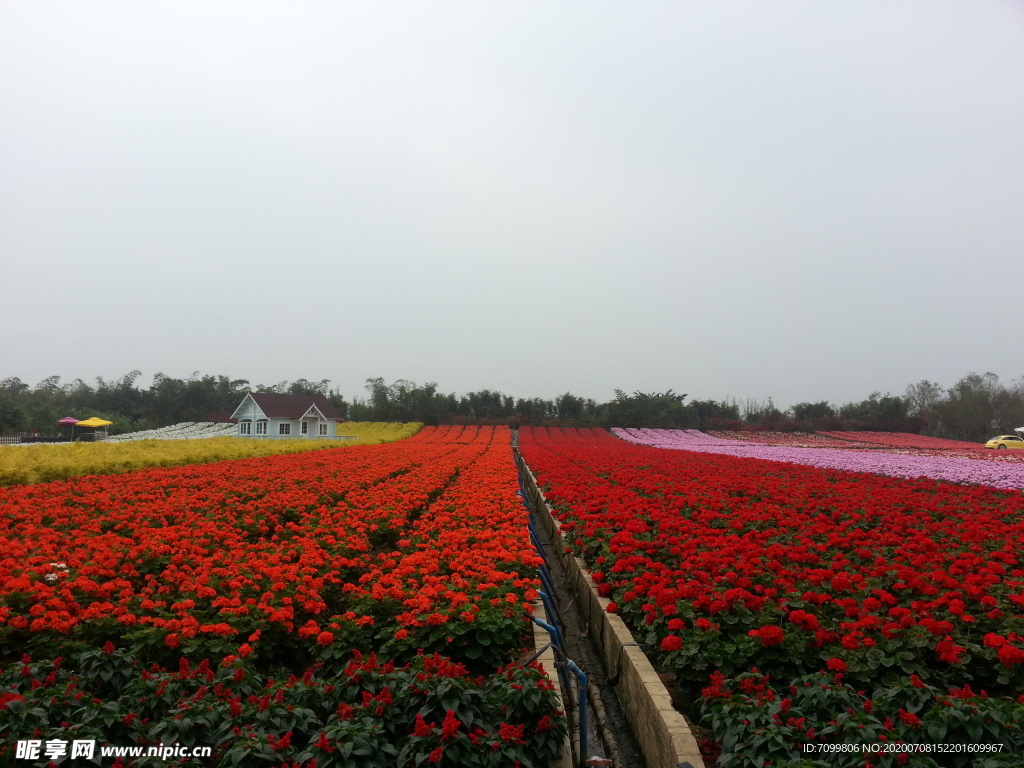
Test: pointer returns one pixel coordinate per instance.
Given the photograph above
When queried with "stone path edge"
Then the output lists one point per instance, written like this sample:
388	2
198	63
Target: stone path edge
664	735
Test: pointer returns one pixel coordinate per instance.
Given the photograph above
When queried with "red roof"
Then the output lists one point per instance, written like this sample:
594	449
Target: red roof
293	406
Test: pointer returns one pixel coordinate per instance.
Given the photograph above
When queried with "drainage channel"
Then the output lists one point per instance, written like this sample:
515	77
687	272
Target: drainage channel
602	736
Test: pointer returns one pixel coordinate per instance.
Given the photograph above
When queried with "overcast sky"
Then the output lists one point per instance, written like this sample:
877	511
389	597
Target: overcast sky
802	200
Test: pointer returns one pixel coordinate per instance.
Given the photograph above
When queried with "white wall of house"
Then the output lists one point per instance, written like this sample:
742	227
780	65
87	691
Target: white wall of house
253	422
294	429
249	415
286	429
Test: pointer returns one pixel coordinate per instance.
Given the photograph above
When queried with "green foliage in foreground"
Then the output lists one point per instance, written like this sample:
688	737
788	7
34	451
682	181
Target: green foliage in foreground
365	715
907	724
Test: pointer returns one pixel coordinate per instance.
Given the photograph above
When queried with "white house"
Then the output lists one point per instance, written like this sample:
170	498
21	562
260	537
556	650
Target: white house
265	415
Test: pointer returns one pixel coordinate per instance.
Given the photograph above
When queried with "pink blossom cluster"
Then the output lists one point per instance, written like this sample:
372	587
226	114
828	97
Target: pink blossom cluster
1008	475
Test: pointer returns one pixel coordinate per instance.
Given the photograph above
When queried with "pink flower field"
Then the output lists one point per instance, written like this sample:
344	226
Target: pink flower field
893	463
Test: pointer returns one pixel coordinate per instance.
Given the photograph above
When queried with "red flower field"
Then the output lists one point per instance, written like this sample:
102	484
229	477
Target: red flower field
243	575
724	564
381	547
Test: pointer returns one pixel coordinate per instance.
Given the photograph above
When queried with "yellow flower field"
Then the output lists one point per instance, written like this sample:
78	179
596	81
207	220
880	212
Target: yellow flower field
373	432
23	464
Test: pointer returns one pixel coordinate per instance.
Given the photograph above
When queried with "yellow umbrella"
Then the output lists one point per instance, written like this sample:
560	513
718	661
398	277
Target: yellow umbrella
95	421
100	425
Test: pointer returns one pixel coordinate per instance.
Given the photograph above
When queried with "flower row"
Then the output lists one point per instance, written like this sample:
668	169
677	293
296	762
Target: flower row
1008	475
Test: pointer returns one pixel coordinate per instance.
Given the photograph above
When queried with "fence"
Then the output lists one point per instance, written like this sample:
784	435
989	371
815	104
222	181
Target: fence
32	437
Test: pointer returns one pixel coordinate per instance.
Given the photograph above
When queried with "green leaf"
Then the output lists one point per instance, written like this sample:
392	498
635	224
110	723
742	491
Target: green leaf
936	730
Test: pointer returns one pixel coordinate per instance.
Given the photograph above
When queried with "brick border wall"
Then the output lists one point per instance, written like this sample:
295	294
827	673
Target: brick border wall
663	734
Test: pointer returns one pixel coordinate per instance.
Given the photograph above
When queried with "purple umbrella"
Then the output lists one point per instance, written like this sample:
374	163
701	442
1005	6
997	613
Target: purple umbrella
69	421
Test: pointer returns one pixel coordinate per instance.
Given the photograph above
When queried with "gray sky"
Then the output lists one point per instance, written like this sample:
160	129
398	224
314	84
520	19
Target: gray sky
802	200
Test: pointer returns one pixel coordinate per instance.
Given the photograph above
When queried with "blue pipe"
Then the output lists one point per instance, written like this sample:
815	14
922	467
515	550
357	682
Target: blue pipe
552	616
558	650
581	683
545	579
553	629
536	540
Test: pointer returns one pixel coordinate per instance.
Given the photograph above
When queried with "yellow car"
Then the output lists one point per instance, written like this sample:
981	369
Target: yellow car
1005	441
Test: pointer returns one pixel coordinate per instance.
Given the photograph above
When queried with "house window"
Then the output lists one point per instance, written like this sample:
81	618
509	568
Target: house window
305	427
284	429
261	427
245	428
323	429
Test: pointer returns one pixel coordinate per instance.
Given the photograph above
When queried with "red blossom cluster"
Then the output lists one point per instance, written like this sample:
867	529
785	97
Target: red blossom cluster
421	533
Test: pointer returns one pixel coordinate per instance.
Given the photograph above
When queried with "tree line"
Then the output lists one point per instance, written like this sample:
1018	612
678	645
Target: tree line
974	408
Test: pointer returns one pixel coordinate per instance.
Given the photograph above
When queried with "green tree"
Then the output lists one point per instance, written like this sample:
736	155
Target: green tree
13	417
649	410
304	387
922	400
877	407
13	386
711	414
969	409
811	412
761	412
1008	405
